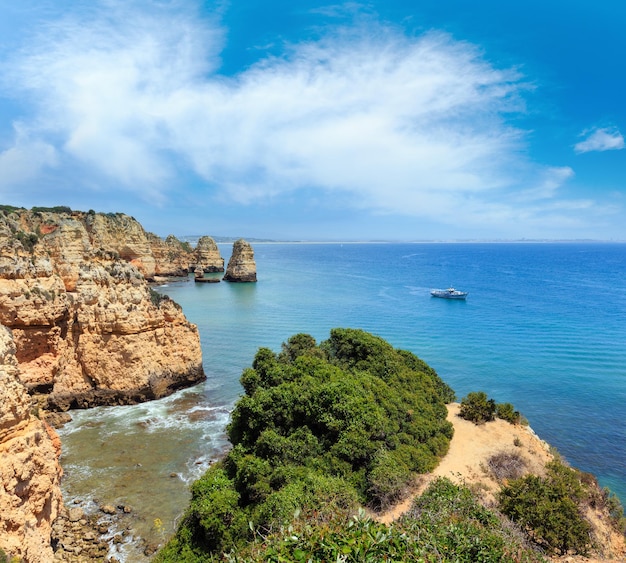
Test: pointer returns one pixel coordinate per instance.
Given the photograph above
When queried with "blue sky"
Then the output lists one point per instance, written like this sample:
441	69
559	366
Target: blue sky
394	120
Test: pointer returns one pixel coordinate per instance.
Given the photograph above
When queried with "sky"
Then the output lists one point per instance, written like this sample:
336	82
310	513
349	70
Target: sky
302	120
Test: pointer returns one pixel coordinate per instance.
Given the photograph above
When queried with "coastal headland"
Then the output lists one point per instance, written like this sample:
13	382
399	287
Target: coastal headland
82	327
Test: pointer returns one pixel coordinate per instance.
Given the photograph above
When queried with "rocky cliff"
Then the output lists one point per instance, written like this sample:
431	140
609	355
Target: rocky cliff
241	266
172	256
87	327
30	495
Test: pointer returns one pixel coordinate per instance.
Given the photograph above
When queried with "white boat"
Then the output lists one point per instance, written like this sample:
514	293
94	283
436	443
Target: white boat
449	293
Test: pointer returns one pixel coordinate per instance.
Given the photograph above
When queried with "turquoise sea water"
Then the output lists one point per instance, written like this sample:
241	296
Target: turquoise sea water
544	327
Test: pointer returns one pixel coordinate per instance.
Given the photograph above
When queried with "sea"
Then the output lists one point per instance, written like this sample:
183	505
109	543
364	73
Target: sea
543	327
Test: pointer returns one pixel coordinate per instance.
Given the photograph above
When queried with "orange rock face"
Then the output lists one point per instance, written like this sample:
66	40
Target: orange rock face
87	327
30	474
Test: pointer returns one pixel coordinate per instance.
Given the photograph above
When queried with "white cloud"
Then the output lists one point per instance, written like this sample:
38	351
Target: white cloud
604	139
390	123
24	160
547	185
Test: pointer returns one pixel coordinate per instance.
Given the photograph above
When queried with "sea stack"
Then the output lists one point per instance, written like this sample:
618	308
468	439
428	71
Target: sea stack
241	266
207	257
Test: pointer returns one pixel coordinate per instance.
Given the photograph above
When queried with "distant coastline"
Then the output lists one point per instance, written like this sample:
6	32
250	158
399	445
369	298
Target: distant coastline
252	240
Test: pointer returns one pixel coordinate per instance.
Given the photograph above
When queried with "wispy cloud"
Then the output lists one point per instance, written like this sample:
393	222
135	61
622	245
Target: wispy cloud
604	139
25	159
379	120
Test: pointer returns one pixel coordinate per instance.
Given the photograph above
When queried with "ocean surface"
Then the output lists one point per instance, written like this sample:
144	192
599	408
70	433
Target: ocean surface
543	327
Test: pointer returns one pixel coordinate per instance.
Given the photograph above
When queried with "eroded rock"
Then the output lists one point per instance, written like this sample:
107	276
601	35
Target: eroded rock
87	327
241	266
30	474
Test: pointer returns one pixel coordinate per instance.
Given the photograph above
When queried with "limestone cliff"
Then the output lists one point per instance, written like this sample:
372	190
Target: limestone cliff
207	256
30	495
87	327
241	266
172	256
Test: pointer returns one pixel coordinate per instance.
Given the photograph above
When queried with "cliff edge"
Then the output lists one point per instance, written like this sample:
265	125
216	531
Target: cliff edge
87	327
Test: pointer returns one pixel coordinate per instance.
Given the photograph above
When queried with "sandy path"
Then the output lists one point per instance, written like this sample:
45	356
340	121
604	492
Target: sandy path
466	462
470	449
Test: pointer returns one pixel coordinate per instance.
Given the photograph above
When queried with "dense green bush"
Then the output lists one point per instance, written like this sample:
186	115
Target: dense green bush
322	428
446	524
28	240
477	408
549	508
506	411
55	209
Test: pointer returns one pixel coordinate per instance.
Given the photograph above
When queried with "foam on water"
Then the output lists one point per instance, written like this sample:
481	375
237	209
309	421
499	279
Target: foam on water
144	456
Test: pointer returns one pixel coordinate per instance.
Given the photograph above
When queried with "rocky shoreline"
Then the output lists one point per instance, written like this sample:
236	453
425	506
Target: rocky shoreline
86	532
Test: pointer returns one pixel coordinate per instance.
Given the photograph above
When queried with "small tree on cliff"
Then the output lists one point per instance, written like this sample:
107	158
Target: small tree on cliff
477	408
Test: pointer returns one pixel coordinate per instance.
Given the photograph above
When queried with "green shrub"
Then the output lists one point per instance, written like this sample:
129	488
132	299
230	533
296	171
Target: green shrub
28	240
299	345
446	525
320	428
156	297
8	209
55	209
388	480
507	412
214	516
549	508
477	408
616	510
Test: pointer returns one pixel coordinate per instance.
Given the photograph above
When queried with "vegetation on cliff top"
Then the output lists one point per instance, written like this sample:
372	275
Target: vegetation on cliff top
446	524
324	429
477	408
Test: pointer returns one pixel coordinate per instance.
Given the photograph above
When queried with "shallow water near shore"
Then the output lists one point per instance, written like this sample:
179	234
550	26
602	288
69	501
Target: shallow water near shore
543	327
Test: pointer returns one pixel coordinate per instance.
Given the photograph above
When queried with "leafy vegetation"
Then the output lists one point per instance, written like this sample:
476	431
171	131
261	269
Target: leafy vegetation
507	412
321	427
9	209
549	508
445	524
324	429
156	297
478	408
55	209
4	558
28	240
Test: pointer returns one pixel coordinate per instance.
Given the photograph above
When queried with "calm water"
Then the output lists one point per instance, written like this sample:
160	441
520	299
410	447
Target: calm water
544	327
